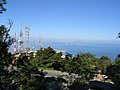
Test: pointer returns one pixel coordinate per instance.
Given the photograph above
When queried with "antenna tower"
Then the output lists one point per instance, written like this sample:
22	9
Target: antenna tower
21	40
27	33
15	45
40	43
33	48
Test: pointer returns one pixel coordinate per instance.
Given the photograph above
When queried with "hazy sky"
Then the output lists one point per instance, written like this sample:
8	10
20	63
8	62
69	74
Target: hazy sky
65	19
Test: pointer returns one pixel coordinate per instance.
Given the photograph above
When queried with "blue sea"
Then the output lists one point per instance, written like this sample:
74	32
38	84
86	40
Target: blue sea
98	48
110	49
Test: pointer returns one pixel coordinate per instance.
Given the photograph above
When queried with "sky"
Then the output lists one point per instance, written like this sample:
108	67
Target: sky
65	19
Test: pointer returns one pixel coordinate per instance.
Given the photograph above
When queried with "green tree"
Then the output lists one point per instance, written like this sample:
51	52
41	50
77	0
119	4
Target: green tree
113	72
48	58
5	42
105	59
22	75
104	62
28	76
81	64
5	56
68	56
117	60
2	8
46	53
78	84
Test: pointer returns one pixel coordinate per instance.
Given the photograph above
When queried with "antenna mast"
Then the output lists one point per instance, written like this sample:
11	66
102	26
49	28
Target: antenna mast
27	33
21	40
15	45
40	43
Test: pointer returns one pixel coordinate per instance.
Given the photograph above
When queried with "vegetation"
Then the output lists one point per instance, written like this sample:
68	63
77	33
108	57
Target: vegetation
85	65
2	8
113	71
24	73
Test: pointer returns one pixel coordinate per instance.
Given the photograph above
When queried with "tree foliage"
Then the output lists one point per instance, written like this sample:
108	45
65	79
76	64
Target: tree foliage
113	71
24	74
48	58
5	57
5	42
46	53
117	60
2	8
80	64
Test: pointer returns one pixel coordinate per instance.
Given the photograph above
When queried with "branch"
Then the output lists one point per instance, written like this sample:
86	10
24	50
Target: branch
10	23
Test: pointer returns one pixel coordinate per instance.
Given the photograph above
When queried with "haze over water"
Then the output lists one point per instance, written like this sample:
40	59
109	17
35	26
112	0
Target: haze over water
98	48
110	49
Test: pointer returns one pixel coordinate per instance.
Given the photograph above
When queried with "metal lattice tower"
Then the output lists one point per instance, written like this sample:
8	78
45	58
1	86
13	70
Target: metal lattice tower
20	41
27	33
40	43
33	48
15	44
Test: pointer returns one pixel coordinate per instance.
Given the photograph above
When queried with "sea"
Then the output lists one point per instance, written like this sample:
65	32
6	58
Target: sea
110	49
97	48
